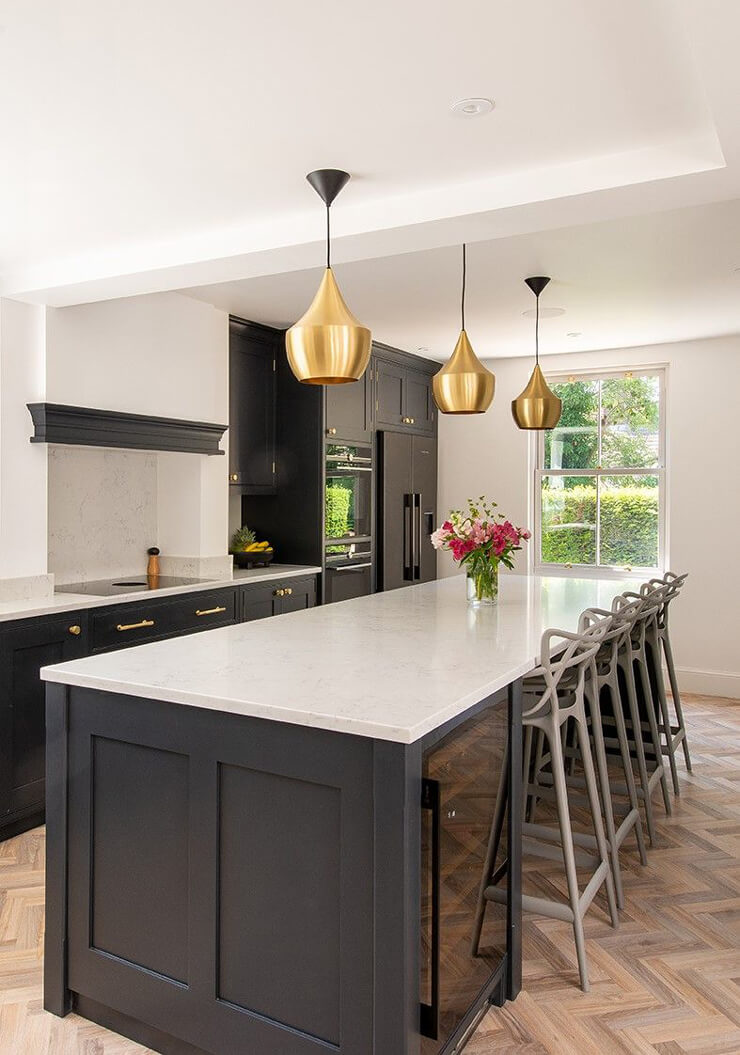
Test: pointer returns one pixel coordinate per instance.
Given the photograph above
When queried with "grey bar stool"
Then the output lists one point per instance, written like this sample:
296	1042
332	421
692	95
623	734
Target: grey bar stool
553	696
633	665
600	687
660	642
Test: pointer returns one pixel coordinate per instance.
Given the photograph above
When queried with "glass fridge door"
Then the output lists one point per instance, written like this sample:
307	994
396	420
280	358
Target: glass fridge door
461	783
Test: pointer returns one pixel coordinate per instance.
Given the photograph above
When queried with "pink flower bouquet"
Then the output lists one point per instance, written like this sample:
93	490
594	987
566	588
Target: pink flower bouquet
480	539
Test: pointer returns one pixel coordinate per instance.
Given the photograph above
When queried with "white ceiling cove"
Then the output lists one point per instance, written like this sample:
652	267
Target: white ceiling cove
155	145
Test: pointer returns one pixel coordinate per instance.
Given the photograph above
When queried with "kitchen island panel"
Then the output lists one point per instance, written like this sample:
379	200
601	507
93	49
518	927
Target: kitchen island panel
274	876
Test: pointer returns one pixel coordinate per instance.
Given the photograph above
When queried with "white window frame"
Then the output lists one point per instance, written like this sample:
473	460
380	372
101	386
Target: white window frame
604	571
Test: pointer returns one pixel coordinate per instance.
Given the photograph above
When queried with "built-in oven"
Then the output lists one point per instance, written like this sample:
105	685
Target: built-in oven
349	494
348	571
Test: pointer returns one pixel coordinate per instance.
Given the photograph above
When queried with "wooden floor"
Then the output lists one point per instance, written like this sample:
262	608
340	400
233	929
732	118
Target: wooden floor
667	981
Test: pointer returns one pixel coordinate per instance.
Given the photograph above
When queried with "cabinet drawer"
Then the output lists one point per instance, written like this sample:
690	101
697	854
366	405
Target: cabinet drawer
129	624
133	624
203	610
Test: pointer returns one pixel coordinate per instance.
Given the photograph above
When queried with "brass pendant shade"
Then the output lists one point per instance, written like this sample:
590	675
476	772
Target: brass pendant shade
537	407
328	345
463	385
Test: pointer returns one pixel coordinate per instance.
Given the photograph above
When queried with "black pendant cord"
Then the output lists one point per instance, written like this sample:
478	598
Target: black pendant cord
462	302
537	331
328	239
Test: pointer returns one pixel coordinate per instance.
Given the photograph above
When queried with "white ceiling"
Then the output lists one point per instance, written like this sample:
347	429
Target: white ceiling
159	144
644	280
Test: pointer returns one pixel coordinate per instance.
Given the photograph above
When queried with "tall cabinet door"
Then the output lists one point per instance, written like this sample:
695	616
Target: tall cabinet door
252	392
390	394
395	510
349	409
424	488
23	652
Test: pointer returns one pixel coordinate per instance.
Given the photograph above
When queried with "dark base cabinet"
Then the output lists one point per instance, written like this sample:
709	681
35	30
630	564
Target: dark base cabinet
224	884
24	649
29	645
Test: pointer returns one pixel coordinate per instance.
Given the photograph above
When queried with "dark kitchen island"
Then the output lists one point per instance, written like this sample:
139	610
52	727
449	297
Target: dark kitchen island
268	839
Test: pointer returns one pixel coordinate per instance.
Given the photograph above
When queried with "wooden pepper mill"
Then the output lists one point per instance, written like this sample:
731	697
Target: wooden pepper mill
152	568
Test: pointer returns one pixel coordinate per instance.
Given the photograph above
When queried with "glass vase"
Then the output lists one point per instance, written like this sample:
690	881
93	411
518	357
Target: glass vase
482	585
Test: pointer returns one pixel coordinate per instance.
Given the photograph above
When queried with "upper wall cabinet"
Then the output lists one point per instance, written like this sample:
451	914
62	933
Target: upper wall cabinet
252	388
349	409
403	396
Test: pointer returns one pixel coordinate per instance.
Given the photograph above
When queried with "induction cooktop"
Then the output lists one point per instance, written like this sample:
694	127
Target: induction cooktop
116	587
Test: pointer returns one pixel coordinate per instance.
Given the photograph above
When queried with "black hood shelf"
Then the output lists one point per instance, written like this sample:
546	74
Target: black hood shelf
57	423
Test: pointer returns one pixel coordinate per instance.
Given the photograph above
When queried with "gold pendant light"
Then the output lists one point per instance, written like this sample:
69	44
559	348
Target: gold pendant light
463	385
537	407
328	346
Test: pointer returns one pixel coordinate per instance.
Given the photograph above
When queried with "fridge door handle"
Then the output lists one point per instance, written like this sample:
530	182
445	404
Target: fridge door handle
417	535
408	538
429	1013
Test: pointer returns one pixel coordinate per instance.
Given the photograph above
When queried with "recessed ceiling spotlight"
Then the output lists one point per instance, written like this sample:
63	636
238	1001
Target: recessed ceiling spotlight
545	313
421	348
574	333
472	107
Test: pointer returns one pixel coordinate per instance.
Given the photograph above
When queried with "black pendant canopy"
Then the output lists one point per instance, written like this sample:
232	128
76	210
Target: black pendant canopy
328	183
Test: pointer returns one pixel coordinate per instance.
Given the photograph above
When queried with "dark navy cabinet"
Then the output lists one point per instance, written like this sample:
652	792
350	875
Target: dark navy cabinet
25	648
28	645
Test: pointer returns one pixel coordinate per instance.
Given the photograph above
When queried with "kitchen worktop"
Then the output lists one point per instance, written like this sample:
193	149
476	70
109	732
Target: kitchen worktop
69	602
392	666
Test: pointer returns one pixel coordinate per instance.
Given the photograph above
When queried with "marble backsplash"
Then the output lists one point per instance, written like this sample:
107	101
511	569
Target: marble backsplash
102	512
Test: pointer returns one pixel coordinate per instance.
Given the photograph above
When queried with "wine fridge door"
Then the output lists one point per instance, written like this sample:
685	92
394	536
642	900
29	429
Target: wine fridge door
461	778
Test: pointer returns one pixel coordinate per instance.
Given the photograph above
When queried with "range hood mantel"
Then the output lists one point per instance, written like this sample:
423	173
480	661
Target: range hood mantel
57	423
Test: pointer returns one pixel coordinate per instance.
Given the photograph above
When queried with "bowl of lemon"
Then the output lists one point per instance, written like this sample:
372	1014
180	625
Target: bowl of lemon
247	551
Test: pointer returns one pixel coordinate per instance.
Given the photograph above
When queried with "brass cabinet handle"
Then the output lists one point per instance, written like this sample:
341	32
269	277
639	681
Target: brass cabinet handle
234	477
278	593
209	611
411	421
76	630
331	432
135	626
288	591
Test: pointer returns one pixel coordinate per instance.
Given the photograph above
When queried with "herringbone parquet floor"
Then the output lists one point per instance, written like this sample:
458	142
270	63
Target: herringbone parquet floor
666	982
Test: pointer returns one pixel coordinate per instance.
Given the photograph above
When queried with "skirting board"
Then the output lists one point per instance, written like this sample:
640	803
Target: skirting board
709	682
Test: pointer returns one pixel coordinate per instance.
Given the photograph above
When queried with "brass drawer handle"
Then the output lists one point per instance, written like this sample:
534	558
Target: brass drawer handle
331	432
76	630
209	611
135	626
288	591
411	421
234	477
278	593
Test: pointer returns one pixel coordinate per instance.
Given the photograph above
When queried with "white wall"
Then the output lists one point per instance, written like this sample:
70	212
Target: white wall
22	464
164	354
488	454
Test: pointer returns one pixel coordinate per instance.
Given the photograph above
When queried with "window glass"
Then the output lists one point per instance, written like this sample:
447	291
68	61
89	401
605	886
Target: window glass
568	519
574	444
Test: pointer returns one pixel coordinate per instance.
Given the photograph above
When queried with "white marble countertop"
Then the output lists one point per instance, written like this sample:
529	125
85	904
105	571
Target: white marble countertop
70	602
392	666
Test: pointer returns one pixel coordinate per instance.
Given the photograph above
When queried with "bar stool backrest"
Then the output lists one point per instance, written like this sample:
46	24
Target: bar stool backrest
561	653
673	584
623	618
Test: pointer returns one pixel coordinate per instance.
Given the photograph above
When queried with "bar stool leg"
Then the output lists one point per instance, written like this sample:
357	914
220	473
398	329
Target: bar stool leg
595	806
538	762
592	691
612	686
647	693
676	695
566	840
629	678
659	690
526	769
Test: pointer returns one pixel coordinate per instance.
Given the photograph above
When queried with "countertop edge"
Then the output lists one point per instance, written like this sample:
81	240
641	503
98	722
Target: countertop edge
247	709
56	605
